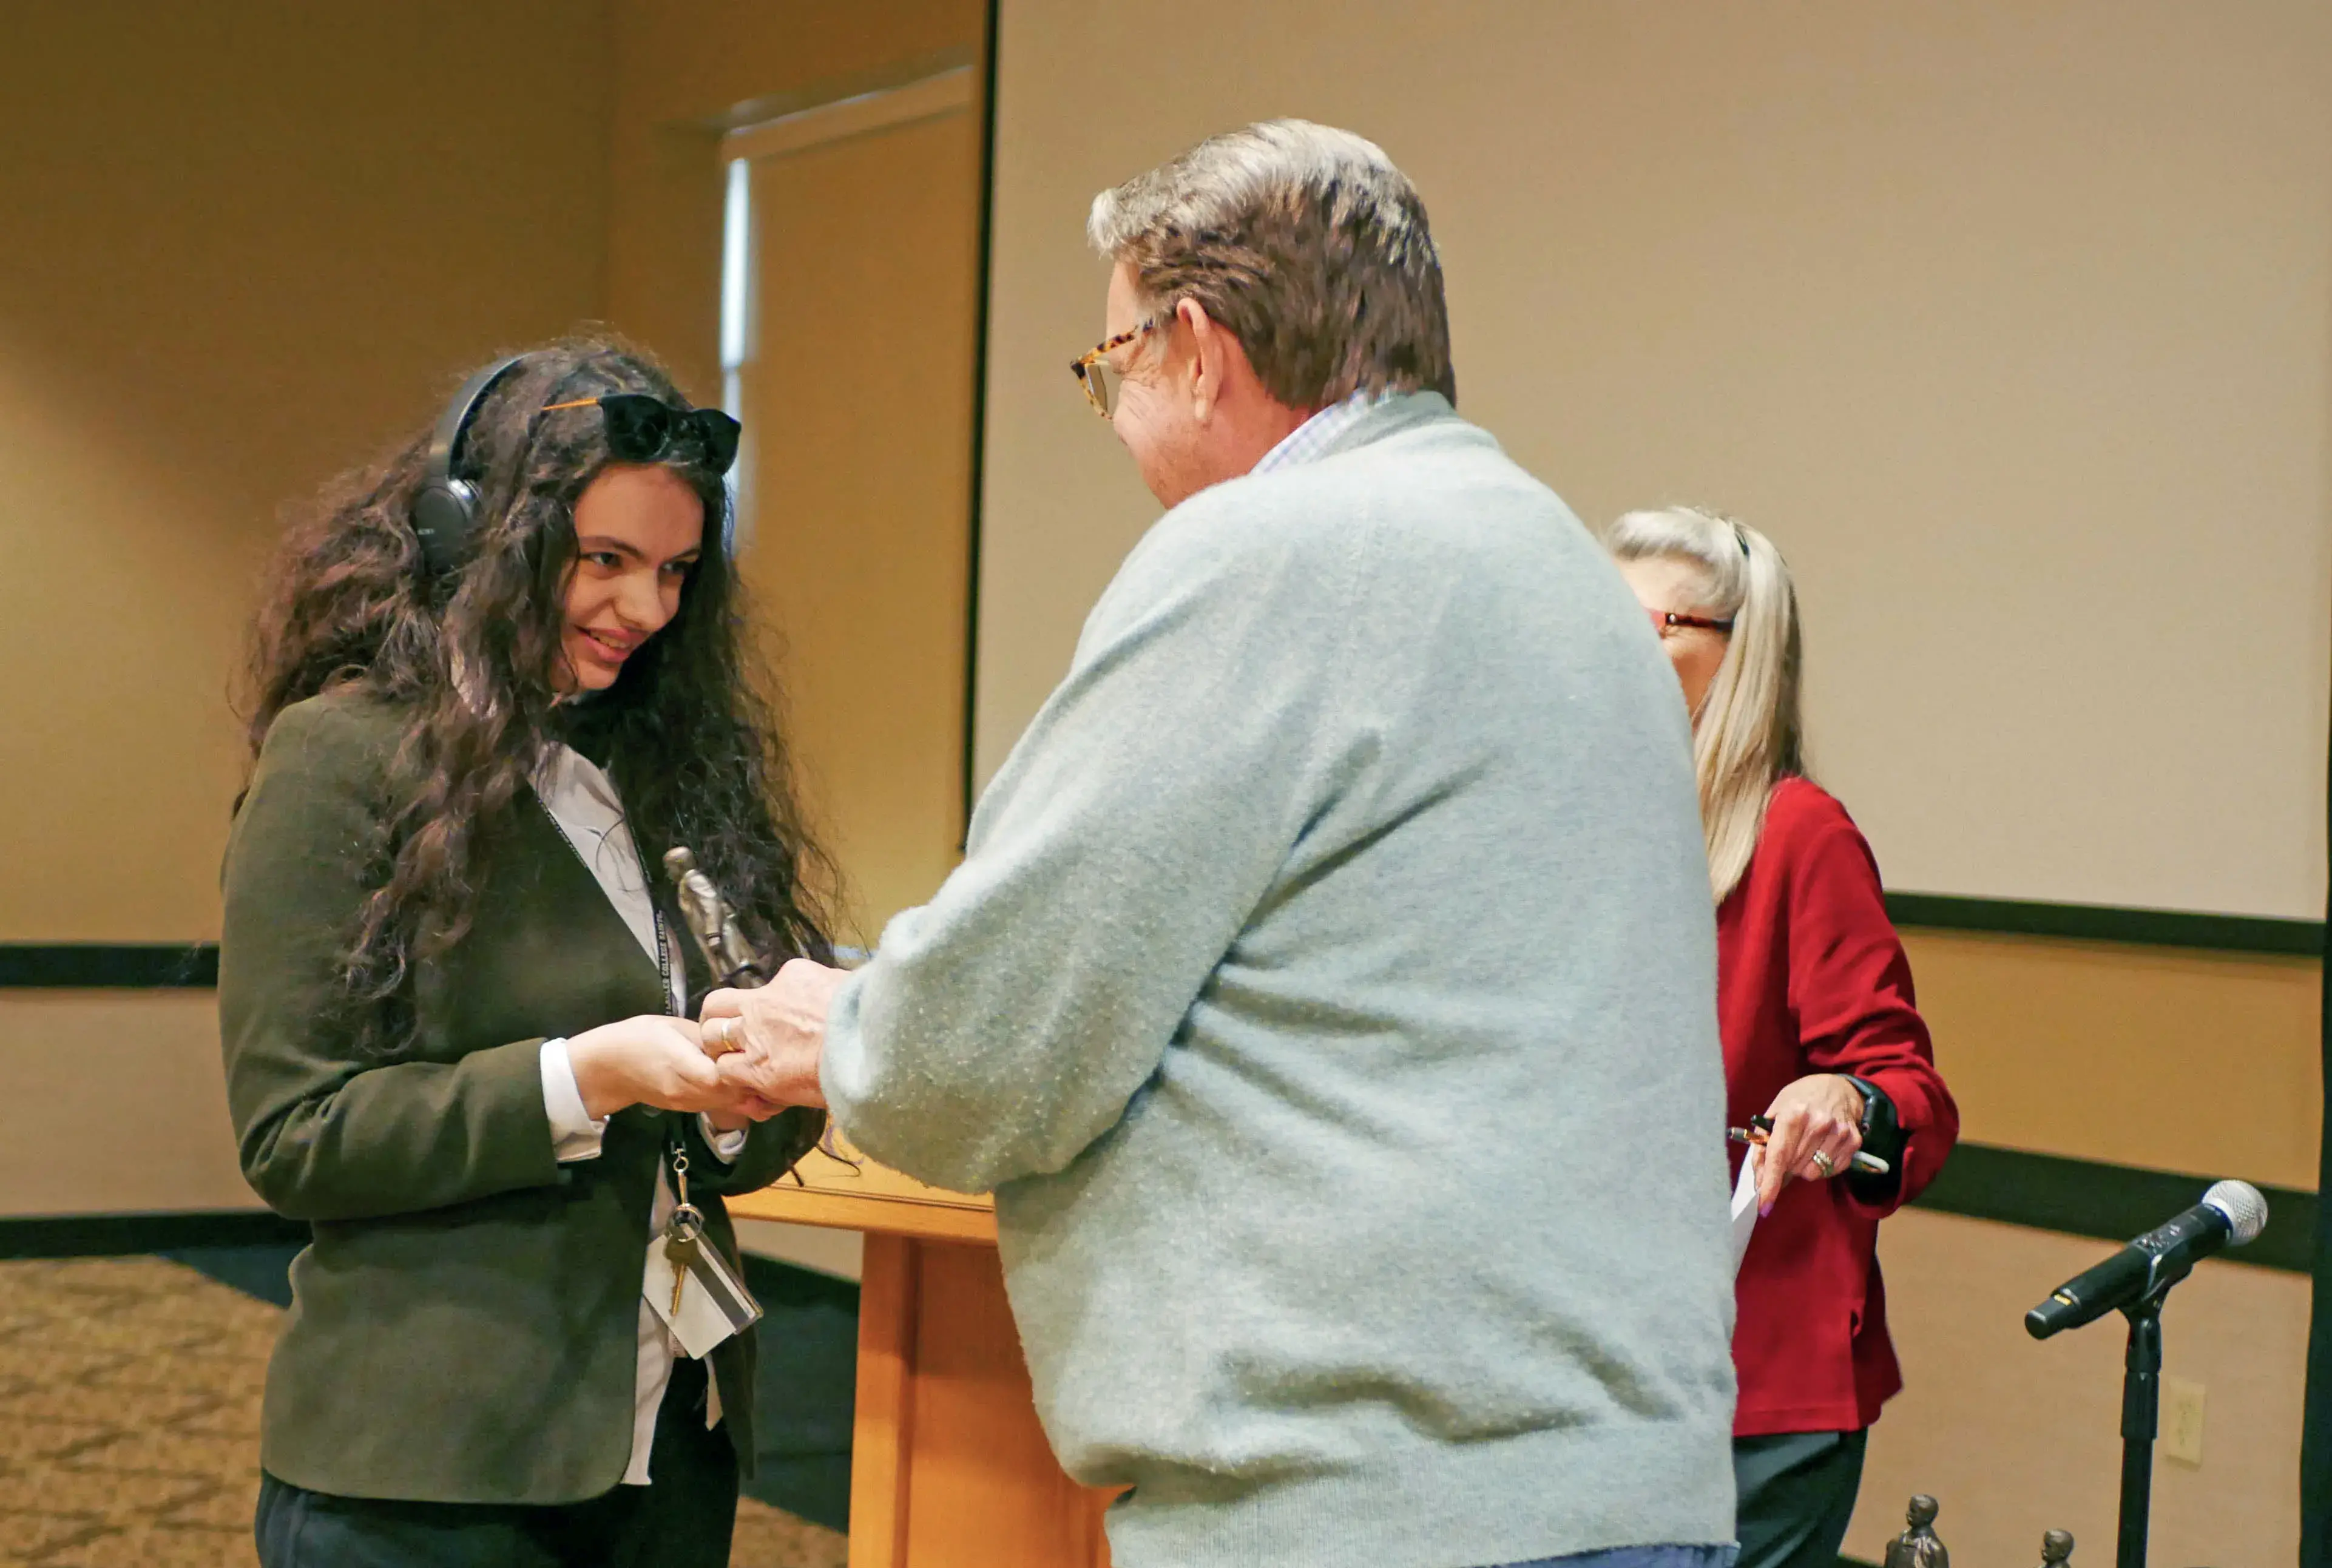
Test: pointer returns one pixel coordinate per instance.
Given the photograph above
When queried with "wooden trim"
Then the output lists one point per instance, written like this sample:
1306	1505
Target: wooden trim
2316	1406
842	1189
2109	923
883	1424
947	92
876	1216
108	965
982	289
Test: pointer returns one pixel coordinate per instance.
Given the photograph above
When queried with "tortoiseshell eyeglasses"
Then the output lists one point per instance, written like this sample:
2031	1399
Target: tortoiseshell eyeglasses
1097	376
1667	623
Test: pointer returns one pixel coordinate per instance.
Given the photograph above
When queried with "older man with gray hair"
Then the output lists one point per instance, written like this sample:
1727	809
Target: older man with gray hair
1327	991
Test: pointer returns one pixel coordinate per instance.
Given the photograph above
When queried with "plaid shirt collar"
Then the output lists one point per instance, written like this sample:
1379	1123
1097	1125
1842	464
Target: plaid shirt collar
1308	440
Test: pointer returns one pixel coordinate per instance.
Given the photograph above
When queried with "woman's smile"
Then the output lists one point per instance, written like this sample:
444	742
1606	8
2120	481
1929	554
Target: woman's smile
612	646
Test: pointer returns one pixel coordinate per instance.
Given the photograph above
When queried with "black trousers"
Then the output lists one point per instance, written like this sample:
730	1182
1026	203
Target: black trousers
1795	1496
684	1520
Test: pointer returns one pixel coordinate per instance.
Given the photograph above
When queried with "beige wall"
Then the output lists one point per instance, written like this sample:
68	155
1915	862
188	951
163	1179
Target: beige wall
246	247
2011	319
860	552
114	1105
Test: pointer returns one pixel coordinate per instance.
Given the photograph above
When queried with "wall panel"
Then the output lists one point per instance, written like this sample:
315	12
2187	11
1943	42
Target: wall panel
2136	1056
2011	321
247	247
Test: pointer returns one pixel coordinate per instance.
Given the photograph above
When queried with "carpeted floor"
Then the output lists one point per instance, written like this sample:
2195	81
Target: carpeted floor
129	1397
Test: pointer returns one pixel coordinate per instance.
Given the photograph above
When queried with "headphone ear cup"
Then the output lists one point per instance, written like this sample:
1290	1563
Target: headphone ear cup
445	512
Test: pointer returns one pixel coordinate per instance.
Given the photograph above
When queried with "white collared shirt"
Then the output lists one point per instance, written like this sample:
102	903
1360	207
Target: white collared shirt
1311	437
582	800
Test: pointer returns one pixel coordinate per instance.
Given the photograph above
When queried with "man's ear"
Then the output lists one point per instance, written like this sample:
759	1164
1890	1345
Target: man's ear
1211	349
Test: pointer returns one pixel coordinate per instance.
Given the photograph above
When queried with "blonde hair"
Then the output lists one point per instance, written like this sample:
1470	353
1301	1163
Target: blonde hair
1748	735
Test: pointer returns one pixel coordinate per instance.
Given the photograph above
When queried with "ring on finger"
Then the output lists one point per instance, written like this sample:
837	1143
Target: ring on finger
1824	1164
721	1033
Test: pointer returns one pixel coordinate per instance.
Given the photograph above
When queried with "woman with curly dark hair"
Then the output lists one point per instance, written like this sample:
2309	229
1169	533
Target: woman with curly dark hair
494	677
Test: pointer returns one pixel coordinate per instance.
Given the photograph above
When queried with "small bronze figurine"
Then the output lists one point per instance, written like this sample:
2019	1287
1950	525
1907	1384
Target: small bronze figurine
1917	1546
710	921
2056	1549
722	942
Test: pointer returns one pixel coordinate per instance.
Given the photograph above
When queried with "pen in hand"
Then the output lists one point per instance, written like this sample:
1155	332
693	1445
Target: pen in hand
1756	1135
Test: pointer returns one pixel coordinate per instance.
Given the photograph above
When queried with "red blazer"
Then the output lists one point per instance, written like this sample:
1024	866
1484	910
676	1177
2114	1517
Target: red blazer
1810	978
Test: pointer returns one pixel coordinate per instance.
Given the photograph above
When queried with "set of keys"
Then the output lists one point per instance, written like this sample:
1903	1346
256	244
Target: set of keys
718	1305
682	1233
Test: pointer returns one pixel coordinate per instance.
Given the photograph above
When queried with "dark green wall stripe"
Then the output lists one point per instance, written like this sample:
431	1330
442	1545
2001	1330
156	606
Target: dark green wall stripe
123	1235
150	965
140	965
2108	1203
2108	922
2088	1198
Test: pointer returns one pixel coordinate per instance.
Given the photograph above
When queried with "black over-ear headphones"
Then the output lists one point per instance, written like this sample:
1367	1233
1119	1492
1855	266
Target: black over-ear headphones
445	509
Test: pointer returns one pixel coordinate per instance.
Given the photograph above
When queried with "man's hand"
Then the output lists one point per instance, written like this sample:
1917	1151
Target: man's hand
773	1049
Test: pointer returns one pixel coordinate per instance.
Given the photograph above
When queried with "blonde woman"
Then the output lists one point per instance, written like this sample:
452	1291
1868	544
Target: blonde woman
1821	1034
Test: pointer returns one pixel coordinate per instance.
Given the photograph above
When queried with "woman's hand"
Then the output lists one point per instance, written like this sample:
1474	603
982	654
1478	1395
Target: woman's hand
1821	1113
651	1060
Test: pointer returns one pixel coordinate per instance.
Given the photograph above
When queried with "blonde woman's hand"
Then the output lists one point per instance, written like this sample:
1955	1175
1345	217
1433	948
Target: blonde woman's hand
1821	1113
652	1060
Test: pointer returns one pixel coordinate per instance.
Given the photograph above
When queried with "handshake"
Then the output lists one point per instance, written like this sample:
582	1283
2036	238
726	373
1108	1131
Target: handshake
755	1050
765	1042
755	1053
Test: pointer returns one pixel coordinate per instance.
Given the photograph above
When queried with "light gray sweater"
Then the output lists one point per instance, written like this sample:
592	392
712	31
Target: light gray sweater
1328	996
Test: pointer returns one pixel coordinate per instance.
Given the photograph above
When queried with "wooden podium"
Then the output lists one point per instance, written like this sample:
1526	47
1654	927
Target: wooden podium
949	1467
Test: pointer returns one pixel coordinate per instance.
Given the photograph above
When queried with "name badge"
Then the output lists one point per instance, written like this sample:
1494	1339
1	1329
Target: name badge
691	1287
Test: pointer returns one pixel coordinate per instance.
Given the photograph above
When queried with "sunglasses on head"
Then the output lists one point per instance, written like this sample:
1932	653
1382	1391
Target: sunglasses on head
644	429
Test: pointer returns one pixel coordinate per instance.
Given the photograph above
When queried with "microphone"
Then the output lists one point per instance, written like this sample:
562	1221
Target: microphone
2231	1214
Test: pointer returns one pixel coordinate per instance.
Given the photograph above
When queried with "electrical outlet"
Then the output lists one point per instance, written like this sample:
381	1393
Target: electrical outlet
2181	1421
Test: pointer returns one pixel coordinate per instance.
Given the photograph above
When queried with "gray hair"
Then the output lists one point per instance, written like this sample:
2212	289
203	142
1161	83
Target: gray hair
1302	241
1749	733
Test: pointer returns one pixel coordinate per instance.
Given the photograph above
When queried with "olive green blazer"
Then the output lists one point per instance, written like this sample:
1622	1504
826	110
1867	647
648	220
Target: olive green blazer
465	1325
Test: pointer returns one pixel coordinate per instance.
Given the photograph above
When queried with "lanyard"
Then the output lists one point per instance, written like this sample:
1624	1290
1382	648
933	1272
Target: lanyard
655	913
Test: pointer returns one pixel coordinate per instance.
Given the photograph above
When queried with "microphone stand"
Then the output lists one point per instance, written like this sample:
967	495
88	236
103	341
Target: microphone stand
2141	1418
2141	1404
2170	1251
